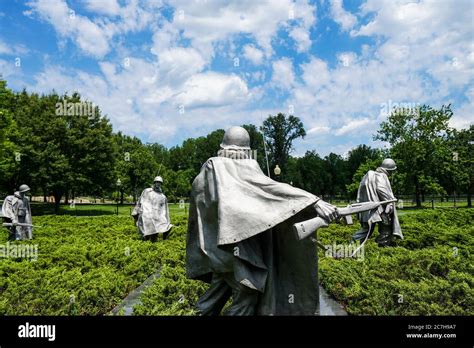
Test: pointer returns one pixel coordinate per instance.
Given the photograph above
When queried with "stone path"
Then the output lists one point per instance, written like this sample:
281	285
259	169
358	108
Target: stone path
329	306
133	298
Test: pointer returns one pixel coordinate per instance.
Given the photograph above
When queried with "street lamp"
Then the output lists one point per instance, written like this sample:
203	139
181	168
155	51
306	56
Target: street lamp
118	183
277	171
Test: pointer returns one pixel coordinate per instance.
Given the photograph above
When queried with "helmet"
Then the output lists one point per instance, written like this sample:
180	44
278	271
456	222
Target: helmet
24	188
389	164
236	138
158	178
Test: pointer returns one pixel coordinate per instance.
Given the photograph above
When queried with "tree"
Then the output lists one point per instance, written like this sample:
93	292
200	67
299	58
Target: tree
136	165
8	131
64	152
418	140
360	155
256	144
280	131
338	177
459	169
308	173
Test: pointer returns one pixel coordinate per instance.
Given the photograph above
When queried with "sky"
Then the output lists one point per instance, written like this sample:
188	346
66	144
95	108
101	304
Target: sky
165	71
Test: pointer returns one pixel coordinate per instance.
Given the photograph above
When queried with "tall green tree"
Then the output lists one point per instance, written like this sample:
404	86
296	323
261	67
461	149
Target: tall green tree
418	140
136	165
280	131
459	166
8	132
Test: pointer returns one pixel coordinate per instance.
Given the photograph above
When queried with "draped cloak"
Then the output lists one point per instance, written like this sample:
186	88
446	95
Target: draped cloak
17	209
375	187
153	213
240	222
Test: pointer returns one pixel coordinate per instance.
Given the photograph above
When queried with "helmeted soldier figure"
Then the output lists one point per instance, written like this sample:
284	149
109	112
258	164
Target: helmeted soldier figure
151	212
16	209
240	237
375	187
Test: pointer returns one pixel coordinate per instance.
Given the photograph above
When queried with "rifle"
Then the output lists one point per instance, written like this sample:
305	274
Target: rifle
304	229
13	224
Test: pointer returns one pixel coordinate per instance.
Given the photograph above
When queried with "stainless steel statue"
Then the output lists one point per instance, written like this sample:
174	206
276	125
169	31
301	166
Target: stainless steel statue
16	209
375	187
151	212
240	237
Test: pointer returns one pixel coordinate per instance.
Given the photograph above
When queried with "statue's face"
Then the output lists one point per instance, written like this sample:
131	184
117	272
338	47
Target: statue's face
157	185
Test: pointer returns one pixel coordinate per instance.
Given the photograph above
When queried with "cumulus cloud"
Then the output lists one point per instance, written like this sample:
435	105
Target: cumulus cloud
301	37
283	76
253	54
212	89
342	17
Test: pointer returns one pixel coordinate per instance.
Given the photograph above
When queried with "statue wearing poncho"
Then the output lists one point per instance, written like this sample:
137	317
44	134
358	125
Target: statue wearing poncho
151	212
240	240
16	209
375	187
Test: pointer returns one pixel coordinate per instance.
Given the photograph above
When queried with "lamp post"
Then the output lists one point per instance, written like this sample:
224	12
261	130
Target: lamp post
119	183
277	171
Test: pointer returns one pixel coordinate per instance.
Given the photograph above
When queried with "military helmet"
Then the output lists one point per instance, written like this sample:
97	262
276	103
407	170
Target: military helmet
236	138
158	178
389	164
24	188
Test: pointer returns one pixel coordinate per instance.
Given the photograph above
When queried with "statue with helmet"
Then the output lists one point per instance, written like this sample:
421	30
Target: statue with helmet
16	211
375	187
240	237
151	213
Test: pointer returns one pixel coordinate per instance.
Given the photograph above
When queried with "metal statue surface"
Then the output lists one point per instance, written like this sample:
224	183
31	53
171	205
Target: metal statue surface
240	237
151	212
17	211
375	187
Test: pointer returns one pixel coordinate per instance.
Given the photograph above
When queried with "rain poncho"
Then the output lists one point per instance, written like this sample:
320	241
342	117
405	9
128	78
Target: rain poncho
17	209
375	187
240	222
153	213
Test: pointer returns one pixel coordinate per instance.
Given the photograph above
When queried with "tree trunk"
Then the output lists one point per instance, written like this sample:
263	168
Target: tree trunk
417	193
57	201
66	197
469	198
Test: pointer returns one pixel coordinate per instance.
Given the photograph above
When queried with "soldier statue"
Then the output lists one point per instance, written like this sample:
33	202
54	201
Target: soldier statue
375	187
151	212
17	211
240	237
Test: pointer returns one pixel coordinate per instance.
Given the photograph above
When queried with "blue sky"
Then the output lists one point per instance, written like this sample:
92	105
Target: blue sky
168	70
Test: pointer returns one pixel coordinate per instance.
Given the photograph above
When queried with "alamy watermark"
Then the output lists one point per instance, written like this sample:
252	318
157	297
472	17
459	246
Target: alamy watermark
386	109
340	251
238	154
75	109
15	251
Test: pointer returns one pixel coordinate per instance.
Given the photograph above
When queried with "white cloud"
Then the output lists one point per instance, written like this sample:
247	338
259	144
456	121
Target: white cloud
4	48
106	7
352	126
86	34
178	64
92	36
318	130
283	76
212	89
342	17
301	37
207	22
253	54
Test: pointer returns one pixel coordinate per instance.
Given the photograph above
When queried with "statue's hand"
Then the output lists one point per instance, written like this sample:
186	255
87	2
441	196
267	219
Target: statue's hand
389	209
326	211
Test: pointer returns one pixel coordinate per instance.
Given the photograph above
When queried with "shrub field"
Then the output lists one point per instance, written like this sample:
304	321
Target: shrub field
87	265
